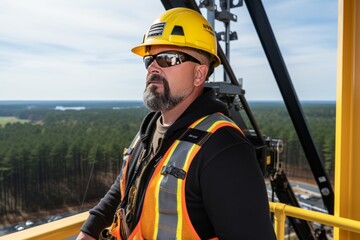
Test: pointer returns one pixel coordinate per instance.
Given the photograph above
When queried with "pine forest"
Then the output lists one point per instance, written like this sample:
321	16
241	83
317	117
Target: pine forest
52	159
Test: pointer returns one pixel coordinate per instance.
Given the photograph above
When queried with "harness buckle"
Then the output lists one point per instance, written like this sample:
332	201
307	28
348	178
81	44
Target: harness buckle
172	170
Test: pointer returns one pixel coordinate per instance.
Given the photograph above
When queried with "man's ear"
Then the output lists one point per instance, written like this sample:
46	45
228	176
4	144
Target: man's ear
200	74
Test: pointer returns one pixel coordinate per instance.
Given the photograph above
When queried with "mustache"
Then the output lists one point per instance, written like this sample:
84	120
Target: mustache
155	78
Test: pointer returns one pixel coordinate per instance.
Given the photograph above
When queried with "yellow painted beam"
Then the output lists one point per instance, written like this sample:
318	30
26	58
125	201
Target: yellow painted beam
347	151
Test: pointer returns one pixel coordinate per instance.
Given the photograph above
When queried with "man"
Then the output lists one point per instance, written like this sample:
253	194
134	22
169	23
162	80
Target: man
190	173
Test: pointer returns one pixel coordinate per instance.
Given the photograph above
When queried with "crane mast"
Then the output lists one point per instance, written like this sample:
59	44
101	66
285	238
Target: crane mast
230	91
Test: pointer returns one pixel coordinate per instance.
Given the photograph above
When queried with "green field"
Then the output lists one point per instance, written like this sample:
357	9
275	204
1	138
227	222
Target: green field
5	120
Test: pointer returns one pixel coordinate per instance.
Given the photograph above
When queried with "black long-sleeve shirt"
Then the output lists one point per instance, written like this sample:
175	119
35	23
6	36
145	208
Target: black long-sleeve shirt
225	191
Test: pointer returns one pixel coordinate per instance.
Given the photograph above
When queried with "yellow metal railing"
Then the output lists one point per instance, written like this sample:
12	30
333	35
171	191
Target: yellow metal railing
69	227
60	229
281	211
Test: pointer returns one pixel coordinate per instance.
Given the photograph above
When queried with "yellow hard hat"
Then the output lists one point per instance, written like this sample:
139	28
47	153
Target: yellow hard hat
182	27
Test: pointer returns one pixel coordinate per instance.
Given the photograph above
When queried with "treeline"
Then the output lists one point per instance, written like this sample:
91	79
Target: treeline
47	163
69	157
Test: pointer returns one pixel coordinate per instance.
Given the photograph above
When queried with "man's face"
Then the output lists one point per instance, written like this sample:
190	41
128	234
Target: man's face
167	86
156	99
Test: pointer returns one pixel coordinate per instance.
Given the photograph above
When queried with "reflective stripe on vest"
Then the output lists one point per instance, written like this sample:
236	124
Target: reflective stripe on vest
164	214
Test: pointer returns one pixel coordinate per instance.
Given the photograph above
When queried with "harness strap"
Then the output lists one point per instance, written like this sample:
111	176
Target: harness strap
114	229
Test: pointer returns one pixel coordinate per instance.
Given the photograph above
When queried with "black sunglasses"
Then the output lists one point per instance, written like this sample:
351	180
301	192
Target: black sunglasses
165	59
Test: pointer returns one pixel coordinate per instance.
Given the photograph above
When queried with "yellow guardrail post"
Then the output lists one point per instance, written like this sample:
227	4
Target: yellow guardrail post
279	219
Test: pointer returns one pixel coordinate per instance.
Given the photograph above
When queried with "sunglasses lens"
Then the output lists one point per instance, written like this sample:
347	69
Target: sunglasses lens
166	60
148	60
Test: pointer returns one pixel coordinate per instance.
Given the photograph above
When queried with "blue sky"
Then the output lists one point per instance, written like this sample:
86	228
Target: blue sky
80	50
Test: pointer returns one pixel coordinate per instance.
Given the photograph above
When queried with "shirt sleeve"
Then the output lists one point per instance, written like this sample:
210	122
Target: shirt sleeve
234	194
101	216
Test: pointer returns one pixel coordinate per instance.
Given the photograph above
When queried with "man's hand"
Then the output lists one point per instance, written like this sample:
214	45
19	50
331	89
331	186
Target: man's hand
84	236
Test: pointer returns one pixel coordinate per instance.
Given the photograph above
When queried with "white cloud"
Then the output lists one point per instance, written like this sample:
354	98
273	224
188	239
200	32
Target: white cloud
64	49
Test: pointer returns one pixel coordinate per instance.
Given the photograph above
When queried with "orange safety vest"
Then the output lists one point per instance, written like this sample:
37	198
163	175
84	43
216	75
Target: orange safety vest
164	213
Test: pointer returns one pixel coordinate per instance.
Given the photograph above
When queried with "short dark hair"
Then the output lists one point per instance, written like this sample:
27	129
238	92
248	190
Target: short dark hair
211	62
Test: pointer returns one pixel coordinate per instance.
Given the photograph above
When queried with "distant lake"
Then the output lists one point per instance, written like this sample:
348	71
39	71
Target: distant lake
68	105
11	108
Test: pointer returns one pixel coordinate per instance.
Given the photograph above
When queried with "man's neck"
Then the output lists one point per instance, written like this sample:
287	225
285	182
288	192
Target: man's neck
170	116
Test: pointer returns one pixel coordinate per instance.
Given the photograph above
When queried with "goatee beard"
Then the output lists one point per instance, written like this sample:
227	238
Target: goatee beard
156	101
